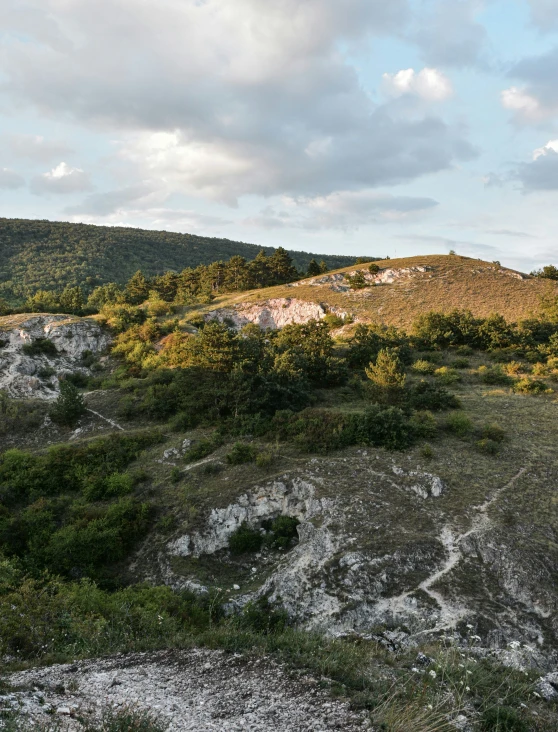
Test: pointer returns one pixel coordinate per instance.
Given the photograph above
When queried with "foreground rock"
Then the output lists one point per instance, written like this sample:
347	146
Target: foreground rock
187	690
60	341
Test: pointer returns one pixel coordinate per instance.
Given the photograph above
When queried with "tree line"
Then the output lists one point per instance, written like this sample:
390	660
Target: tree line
192	285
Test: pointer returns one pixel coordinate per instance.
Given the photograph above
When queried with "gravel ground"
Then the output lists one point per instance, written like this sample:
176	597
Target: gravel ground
189	690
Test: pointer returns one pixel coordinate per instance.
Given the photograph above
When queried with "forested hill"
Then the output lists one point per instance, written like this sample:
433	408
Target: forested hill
50	255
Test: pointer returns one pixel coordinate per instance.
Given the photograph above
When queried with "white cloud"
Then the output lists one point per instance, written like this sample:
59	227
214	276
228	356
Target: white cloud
10	180
61	179
536	100
429	84
526	106
551	146
542	173
222	99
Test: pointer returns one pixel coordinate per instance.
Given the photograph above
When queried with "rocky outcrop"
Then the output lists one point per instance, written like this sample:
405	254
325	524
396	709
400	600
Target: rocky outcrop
338	281
376	547
60	342
330	580
280	498
273	314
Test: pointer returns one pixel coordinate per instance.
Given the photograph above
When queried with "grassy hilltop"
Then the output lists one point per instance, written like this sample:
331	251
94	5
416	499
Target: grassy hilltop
451	281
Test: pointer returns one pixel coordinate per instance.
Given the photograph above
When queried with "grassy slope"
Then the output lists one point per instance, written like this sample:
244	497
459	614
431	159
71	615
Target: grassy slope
451	282
50	255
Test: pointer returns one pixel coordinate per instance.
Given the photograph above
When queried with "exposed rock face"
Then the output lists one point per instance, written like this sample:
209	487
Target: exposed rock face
379	545
194	690
338	281
26	375
273	314
330	579
280	498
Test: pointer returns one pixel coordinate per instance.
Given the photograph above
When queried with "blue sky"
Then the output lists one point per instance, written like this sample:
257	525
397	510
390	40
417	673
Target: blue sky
351	126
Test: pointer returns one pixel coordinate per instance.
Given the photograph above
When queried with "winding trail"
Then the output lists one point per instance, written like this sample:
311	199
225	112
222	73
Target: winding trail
106	419
451	614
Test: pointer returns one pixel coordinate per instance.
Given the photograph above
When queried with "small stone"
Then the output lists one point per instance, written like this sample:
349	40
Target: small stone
236	587
424	660
63	710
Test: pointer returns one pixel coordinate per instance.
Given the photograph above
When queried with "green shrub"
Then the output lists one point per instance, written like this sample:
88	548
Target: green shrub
526	386
427	452
200	450
424	424
263	617
45	616
357	281
493	432
460	363
320	430
494	375
387	373
265	460
245	539
284	531
488	446
459	423
502	719
447	376
94	539
333	321
40	347
69	406
212	468
422	366
20	416
45	372
78	379
241	453
430	396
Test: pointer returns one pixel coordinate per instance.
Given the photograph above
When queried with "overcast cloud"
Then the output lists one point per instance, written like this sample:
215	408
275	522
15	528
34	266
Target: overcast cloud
281	122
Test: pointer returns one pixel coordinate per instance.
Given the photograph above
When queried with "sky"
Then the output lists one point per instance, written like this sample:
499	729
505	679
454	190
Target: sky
359	127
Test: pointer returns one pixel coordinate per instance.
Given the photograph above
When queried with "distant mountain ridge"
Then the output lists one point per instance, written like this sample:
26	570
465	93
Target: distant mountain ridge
39	254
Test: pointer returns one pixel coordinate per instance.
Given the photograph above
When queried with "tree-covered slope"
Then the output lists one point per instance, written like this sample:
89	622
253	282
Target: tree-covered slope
50	255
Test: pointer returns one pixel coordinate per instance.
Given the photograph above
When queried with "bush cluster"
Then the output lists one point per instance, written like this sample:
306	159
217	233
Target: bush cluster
279	533
68	509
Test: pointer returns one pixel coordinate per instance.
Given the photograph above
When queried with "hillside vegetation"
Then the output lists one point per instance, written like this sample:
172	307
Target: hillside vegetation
47	255
373	506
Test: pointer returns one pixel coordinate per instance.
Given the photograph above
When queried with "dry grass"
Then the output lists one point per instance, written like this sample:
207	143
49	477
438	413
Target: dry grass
451	282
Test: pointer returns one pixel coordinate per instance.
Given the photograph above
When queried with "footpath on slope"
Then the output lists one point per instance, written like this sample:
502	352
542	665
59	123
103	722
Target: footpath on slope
190	690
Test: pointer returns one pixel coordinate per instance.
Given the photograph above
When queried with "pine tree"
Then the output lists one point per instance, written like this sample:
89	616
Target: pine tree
72	300
281	266
387	374
69	406
314	268
137	288
260	269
